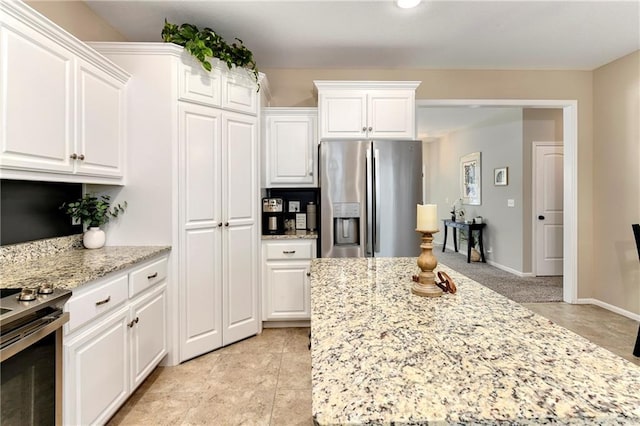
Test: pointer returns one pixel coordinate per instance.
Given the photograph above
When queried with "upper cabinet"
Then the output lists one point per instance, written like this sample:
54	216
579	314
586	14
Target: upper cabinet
291	149
367	109
63	108
233	91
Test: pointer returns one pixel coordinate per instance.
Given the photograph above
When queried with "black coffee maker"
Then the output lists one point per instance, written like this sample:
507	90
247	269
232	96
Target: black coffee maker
272	216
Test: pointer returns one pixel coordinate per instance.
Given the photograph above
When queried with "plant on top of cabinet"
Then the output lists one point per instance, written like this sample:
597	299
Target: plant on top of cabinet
93	212
206	43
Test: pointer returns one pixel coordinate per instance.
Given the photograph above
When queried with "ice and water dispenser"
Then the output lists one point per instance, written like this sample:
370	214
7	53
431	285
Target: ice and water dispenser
346	224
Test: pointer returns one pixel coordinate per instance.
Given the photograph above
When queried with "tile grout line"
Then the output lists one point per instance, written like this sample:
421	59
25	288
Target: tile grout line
275	390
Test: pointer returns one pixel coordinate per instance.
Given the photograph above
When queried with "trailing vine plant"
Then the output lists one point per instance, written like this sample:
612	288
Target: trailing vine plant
205	43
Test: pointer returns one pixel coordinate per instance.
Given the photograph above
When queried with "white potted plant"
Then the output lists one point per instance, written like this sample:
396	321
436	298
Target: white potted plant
93	211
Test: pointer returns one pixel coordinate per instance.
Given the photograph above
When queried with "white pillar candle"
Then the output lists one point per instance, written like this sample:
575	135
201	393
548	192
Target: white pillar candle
427	217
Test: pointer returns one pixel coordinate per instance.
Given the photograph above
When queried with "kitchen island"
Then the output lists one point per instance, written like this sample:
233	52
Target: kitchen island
383	355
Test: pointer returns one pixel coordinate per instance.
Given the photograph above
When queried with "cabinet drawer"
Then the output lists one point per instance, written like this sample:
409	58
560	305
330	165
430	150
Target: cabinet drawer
147	276
289	250
86	306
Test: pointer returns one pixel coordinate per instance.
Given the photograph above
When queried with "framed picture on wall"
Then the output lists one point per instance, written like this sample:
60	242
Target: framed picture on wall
471	179
501	176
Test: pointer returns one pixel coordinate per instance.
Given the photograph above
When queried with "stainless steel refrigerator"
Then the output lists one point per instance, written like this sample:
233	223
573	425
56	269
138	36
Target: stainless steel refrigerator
368	192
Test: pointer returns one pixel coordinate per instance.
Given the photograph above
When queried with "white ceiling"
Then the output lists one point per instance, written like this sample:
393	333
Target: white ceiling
377	34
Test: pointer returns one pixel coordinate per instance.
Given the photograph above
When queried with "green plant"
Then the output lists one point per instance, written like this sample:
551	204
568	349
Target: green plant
203	44
92	210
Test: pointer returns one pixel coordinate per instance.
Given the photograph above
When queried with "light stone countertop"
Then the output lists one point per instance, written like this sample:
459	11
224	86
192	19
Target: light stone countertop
292	236
381	355
69	269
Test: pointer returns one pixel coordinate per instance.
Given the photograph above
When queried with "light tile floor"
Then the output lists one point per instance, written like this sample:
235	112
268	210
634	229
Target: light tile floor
266	380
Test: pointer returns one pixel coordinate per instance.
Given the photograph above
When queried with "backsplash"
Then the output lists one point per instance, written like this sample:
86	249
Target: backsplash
29	210
18	253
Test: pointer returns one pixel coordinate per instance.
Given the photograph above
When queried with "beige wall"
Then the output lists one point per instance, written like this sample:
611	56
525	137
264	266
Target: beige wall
616	89
78	19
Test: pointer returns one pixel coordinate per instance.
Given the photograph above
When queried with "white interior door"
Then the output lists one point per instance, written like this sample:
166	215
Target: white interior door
548	208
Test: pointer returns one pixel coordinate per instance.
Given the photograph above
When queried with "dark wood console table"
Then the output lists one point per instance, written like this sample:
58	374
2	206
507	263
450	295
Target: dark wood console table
469	227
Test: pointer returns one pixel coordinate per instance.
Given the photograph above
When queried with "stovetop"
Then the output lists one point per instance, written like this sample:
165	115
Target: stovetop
12	308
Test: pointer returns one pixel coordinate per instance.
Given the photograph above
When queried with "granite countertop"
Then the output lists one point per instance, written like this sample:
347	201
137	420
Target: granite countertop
383	355
71	268
292	236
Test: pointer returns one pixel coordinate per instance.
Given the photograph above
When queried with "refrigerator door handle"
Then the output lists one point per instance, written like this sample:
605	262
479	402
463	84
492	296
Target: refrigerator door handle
369	218
376	212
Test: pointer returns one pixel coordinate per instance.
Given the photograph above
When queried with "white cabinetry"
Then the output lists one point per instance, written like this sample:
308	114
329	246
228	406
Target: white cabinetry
285	279
291	149
200	194
62	113
366	109
113	343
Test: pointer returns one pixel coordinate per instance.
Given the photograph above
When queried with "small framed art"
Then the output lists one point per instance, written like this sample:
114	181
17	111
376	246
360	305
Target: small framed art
501	176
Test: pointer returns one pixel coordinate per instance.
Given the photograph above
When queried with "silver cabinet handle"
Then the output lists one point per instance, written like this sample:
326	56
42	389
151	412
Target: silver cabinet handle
133	322
288	251
74	156
81	157
102	302
152	276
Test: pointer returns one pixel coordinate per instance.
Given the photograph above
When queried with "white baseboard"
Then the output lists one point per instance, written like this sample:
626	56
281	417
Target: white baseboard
282	324
609	307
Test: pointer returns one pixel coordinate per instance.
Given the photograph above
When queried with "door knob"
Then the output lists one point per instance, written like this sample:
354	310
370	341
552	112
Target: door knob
370	129
308	274
74	156
540	217
219	224
81	157
364	129
226	224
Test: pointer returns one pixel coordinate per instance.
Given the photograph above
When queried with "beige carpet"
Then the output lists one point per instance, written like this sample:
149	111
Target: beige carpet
521	290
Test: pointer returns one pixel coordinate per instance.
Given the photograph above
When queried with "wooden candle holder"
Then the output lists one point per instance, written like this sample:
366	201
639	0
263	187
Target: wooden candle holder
427	262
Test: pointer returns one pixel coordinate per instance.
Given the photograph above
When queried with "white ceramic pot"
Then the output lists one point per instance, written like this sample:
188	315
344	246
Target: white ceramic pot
94	238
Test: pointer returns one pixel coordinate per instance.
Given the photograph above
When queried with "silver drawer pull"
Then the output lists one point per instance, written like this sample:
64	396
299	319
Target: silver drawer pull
102	302
288	251
152	276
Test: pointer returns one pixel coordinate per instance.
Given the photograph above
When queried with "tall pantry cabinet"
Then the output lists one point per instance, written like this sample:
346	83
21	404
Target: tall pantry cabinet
194	184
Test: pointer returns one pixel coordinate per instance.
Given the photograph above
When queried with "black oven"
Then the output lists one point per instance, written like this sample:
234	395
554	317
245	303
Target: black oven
31	356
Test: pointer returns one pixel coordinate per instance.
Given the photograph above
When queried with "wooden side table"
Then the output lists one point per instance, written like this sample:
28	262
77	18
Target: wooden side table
469	227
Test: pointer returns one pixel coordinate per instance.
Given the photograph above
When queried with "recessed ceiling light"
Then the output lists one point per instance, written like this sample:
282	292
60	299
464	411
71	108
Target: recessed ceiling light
407	4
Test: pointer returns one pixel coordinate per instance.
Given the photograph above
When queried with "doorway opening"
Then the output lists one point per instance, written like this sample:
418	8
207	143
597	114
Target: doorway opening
569	174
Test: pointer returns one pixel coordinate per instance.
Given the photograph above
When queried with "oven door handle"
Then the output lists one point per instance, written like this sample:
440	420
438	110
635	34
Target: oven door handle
35	336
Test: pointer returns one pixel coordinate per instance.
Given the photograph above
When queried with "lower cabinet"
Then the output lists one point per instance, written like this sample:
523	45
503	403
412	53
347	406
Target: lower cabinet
286	279
109	355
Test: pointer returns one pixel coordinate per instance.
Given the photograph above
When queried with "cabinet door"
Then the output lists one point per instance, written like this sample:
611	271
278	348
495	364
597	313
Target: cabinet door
197	85
239	92
287	291
342	114
291	150
99	122
148	334
36	100
96	371
200	216
391	114
240	236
